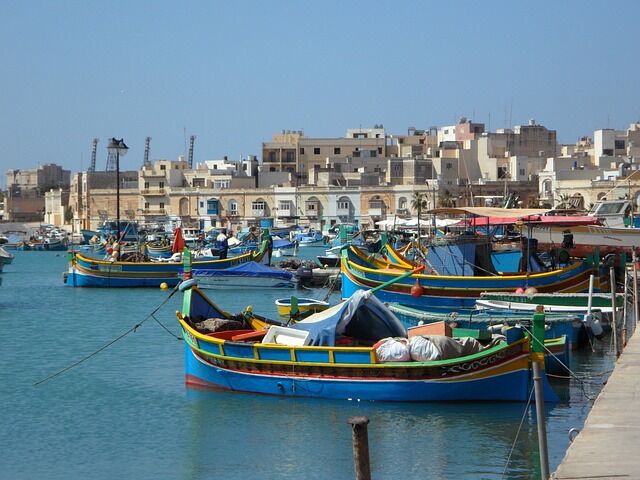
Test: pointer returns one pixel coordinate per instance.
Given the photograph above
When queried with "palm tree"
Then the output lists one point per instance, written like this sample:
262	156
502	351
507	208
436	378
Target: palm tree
446	201
418	202
564	201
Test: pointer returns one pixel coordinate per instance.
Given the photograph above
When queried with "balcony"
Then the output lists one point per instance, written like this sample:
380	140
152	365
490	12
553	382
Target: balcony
151	192
343	212
232	213
258	213
375	211
151	174
311	213
289	211
155	211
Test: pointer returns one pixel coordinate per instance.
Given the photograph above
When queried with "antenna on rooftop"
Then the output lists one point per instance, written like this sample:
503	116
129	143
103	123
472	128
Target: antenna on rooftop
192	140
94	149
146	161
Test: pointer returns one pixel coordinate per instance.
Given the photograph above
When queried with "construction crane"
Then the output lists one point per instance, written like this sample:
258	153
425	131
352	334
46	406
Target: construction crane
94	150
146	162
192	140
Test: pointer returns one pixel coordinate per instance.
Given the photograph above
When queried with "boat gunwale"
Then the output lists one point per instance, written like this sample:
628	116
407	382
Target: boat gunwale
210	340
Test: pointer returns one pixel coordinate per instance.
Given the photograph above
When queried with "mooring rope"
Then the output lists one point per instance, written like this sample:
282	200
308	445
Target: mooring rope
119	337
572	374
515	440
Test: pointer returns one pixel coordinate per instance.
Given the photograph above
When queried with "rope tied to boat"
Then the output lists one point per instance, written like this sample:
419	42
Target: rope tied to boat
515	440
133	329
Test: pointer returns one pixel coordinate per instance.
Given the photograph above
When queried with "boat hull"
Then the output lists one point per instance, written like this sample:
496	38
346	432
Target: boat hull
89	272
509	382
448	293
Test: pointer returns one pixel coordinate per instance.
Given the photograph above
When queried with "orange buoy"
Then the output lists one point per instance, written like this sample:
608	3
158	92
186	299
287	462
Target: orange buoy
416	289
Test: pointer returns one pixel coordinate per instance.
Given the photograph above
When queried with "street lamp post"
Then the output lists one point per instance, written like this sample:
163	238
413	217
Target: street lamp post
117	147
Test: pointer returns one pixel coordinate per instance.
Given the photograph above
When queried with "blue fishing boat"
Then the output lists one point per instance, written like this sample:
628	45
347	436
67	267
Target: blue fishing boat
333	354
310	238
89	272
361	270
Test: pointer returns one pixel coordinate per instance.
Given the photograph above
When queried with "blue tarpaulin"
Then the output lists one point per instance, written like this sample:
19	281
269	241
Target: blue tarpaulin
248	269
361	317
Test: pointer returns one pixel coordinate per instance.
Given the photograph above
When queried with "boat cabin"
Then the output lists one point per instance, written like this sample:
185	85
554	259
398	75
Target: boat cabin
613	213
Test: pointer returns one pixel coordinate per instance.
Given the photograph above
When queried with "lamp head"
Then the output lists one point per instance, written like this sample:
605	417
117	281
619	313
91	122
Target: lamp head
117	146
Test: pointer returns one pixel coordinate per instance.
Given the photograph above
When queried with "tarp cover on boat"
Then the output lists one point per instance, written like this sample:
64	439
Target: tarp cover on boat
248	269
282	243
362	317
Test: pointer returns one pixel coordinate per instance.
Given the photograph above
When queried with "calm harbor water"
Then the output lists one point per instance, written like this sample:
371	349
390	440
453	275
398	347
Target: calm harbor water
126	412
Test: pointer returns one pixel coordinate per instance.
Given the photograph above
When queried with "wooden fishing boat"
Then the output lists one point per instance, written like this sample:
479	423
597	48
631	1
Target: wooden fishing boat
159	250
305	306
89	272
557	325
360	271
6	257
331	354
552	302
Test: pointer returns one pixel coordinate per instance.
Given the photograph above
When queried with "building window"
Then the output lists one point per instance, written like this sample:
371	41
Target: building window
146	185
161	185
161	205
284	205
380	150
201	204
301	150
290	157
258	206
343	205
336	150
619	145
449	166
522	172
212	207
221	184
163	167
316	150
272	156
146	205
233	207
373	153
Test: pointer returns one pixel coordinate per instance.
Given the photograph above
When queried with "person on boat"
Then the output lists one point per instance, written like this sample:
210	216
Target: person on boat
222	245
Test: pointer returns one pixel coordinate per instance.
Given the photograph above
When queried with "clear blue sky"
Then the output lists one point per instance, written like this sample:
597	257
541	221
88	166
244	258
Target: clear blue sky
235	72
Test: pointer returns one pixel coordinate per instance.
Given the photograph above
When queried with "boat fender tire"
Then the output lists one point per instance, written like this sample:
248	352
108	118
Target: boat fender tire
187	284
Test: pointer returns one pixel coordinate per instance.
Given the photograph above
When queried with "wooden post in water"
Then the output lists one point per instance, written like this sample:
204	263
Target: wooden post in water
635	289
614	326
537	349
625	311
360	447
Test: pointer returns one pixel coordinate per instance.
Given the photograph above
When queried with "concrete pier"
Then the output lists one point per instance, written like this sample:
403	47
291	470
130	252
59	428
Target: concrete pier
607	446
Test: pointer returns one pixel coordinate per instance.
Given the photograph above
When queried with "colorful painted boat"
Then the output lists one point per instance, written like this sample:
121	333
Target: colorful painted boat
305	306
89	272
362	272
6	257
310	359
552	302
311	238
159	250
558	325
